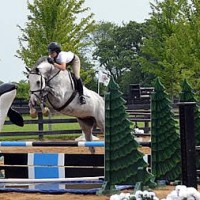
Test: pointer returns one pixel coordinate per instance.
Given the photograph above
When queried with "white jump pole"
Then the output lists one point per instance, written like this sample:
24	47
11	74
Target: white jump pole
18	180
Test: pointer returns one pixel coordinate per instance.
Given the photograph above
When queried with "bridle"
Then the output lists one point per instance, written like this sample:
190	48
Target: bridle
43	93
44	83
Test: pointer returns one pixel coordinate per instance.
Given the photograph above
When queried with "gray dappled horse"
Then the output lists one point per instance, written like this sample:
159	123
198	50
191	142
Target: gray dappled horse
57	86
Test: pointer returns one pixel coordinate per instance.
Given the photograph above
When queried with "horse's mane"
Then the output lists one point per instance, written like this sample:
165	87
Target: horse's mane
40	60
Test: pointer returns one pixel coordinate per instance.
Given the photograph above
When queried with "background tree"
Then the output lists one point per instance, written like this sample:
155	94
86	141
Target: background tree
156	57
133	34
184	45
22	90
117	48
55	20
88	73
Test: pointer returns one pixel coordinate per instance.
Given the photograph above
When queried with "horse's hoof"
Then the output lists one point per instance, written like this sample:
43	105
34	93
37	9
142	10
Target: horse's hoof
45	112
33	113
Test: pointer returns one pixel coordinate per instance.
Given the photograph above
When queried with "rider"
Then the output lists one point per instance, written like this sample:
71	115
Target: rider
61	60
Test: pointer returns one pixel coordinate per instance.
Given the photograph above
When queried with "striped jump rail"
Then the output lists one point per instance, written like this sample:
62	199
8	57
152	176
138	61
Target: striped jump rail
51	165
59	144
49	144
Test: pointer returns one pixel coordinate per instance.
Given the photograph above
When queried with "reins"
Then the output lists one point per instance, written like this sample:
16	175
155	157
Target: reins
47	83
52	77
70	98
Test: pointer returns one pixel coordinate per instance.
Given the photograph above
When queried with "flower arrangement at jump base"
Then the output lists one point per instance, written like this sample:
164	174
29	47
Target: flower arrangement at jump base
139	195
181	192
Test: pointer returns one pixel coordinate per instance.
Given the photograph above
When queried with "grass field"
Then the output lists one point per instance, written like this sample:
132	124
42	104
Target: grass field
34	127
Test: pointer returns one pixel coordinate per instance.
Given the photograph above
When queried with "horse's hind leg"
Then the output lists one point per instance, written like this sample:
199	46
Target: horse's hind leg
87	125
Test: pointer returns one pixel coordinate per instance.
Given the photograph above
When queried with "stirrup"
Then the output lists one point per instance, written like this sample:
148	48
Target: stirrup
82	99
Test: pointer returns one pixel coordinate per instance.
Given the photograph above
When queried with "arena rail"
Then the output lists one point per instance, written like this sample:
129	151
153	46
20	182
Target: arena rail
136	116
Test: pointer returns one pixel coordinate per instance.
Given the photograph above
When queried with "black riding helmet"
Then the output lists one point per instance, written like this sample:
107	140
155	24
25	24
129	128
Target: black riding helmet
54	47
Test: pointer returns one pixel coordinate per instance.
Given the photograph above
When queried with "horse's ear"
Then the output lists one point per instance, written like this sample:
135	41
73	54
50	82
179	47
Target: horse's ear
28	70
37	70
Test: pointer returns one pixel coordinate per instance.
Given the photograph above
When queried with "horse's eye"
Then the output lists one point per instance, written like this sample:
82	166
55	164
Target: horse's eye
38	82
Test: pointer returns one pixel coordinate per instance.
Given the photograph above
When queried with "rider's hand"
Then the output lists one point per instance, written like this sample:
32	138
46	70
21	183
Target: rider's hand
50	60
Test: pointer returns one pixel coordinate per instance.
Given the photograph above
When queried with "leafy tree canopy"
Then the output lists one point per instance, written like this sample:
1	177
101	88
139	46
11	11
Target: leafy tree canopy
117	49
171	48
55	20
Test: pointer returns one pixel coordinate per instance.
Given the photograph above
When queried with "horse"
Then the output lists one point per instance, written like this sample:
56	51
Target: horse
57	87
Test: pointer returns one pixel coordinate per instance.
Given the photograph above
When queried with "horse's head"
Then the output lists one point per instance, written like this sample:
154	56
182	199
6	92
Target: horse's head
38	80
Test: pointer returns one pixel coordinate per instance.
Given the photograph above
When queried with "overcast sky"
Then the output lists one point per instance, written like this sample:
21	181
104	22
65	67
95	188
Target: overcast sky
14	12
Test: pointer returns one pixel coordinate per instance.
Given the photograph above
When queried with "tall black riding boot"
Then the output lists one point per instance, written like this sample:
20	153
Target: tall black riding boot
80	91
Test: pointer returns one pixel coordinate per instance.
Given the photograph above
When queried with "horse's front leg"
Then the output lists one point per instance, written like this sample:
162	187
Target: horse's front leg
88	137
31	104
45	110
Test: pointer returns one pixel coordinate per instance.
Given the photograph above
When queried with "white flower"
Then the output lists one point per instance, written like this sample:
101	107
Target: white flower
124	196
138	194
152	194
172	195
115	197
178	188
145	194
182	192
193	193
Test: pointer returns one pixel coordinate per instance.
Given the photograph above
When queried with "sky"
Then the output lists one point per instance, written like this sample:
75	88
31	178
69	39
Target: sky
14	12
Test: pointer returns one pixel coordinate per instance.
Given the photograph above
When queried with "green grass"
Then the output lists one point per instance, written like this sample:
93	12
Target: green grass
46	137
34	127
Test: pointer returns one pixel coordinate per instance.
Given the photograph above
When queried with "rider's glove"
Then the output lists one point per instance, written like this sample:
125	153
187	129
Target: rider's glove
50	60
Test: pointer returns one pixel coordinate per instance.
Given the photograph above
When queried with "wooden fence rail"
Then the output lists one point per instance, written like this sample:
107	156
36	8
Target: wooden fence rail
142	117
